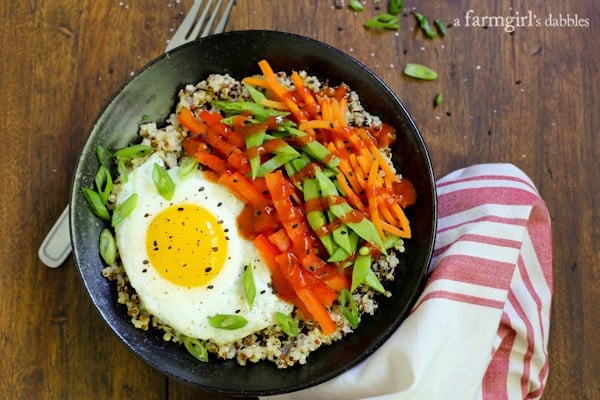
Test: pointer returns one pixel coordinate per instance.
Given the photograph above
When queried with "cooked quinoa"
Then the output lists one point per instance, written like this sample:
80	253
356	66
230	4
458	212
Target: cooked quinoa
271	343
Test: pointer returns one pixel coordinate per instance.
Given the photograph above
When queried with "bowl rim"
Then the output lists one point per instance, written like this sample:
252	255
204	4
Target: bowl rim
87	146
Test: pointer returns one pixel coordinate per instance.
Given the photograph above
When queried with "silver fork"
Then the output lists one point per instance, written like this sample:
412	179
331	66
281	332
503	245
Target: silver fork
56	247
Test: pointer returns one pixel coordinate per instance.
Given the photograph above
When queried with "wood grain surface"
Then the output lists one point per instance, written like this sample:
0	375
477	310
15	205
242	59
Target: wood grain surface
527	96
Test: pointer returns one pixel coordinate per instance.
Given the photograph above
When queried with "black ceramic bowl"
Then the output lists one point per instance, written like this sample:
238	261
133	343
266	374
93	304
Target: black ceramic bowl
153	92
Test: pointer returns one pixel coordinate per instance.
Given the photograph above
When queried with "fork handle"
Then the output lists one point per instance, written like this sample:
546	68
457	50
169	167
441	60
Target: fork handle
56	247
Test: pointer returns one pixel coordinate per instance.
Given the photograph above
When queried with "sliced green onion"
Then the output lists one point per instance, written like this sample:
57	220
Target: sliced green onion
349	308
104	183
163	182
122	170
107	247
134	151
424	24
103	155
438	99
96	204
395	7
419	71
249	285
356	5
383	21
187	166
441	28
287	324
124	209
196	348
229	322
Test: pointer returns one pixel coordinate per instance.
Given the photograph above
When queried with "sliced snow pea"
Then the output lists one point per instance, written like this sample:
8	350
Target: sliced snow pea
315	149
360	269
254	140
316	218
349	308
260	112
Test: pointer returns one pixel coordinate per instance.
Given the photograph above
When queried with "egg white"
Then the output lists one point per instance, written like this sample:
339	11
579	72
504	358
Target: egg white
188	309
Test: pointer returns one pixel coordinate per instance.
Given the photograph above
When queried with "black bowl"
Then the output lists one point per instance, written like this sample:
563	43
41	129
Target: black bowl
153	92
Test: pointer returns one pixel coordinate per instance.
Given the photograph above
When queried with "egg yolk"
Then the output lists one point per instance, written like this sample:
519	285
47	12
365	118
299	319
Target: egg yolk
186	245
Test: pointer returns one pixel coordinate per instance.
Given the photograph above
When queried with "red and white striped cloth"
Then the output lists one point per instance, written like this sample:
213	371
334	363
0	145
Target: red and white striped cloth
480	328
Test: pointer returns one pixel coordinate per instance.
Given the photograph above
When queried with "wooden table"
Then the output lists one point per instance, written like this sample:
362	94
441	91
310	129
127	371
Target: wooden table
528	97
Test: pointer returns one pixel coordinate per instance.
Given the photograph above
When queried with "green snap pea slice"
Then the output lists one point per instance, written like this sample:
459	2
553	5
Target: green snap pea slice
287	324
124	209
196	348
107	247
395	7
355	5
419	71
438	99
96	204
163	182
229	322
249	285
349	308
440	26
361	268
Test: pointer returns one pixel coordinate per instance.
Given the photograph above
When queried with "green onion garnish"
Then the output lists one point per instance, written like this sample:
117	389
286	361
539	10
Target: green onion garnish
187	166
96	204
287	324
135	151
104	183
249	286
395	7
163	182
355	5
424	24
438	99
419	71
107	247
124	209
440	26
383	21
196	348
227	321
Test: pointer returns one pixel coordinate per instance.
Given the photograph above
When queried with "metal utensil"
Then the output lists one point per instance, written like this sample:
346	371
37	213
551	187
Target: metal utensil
56	247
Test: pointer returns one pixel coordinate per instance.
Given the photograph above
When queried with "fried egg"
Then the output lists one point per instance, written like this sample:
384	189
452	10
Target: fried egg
185	257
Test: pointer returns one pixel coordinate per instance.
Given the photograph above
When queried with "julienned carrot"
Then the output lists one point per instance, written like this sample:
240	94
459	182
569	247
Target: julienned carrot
310	103
243	188
189	121
256	81
278	90
277	105
316	124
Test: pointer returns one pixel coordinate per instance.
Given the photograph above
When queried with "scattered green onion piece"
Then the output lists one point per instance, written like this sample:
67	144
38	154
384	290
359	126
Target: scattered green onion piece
349	308
124	209
287	324
107	247
395	7
134	151
196	348
163	182
438	99
441	28
383	21
145	118
229	322
103	155
187	166
356	5
104	183
424	24
96	204
249	285
419	71
122	170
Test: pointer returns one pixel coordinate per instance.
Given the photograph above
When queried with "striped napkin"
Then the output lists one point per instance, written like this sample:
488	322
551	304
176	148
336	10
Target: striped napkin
480	328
